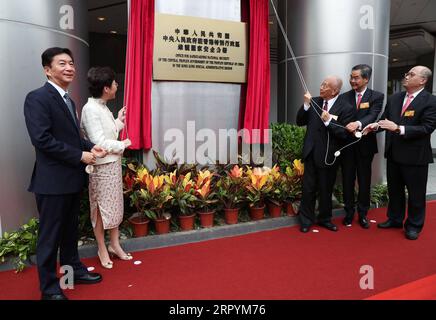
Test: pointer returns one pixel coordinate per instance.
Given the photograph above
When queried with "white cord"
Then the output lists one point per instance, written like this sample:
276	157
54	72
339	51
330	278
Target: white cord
300	74
338	152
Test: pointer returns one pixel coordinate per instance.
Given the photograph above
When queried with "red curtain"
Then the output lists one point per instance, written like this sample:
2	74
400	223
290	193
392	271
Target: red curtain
139	64
245	17
257	106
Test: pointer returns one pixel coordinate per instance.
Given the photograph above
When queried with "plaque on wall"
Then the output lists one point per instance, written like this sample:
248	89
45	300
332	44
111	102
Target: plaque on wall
198	49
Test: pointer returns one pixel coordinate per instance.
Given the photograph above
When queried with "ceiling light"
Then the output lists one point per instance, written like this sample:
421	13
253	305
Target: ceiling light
113	31
395	59
395	44
101	18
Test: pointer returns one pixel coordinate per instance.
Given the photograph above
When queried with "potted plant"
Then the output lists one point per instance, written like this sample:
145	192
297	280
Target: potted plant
293	185
276	193
257	187
230	192
131	184
182	198
152	197
206	197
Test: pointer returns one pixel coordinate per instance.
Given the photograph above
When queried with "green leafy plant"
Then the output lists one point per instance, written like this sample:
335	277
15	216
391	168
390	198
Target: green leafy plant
379	195
287	143
278	188
205	191
182	193
256	183
338	192
164	166
21	244
152	198
293	187
230	188
129	165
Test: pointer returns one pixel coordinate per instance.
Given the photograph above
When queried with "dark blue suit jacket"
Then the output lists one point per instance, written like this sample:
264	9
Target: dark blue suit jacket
57	141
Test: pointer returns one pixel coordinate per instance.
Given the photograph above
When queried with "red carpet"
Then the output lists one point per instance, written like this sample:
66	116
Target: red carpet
424	289
280	264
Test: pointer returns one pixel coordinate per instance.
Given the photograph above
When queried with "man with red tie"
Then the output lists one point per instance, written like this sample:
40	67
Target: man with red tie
356	161
409	120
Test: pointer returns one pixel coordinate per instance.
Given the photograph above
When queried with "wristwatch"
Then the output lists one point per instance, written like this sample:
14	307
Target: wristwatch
398	130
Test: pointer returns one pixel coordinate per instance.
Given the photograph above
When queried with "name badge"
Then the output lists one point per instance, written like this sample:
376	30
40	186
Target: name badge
364	105
410	113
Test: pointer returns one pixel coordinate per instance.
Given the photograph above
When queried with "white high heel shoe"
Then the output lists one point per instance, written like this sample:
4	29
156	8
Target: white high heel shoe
107	265
112	253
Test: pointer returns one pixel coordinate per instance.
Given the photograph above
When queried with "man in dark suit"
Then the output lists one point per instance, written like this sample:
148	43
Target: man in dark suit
409	120
357	160
325	118
59	173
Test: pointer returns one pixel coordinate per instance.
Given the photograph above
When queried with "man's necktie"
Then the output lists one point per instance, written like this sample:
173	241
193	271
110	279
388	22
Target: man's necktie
326	106
407	104
359	100
70	107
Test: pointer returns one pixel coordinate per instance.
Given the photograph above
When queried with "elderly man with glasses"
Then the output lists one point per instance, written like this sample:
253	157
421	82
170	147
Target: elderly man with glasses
409	120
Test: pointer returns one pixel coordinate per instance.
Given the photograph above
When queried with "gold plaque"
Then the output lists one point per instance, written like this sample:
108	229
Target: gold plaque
198	49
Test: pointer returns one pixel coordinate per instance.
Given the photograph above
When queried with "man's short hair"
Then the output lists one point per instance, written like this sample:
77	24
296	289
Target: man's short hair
48	55
365	71
98	78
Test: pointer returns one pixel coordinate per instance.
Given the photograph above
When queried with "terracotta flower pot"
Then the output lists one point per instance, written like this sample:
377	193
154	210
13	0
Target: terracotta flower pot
274	210
206	219
140	225
187	222
162	226
231	215
257	213
289	209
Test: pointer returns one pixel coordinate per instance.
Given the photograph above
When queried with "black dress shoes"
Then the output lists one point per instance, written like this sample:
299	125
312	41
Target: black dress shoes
347	221
390	224
328	225
88	278
412	235
304	229
363	221
59	296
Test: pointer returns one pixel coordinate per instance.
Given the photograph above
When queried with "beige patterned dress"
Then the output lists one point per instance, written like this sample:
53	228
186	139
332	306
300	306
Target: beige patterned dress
105	182
106	194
